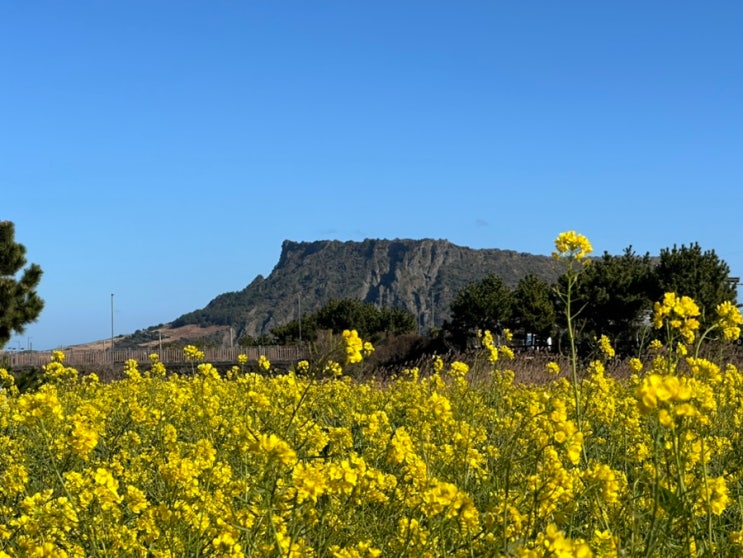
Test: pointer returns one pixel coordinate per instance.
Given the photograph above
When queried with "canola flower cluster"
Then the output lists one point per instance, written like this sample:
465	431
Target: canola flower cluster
356	348
729	320
429	463
572	246
495	350
679	313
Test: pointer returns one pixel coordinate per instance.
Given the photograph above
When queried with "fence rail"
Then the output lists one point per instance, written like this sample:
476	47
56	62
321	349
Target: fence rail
169	356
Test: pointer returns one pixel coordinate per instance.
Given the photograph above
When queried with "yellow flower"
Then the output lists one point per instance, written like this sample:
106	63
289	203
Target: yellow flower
192	353
83	439
729	320
635	365
363	549
342	477
703	368
736	538
207	370
605	346
136	499
227	545
14	480
333	368
264	365
719	499
670	395
439	497
40	405
680	313
596	370
605	543
572	245
575	447
309	482
275	447
106	488
48	550
559	545
488	343
356	348
607	479
303	366
7	380
400	446
439	406
458	369
552	368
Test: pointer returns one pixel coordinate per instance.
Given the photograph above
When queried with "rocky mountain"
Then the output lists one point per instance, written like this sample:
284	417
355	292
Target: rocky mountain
422	276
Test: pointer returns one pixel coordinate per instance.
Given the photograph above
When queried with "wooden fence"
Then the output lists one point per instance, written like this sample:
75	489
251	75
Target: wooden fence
169	356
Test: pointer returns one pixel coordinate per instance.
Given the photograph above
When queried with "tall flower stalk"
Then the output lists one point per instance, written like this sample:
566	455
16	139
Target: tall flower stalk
572	250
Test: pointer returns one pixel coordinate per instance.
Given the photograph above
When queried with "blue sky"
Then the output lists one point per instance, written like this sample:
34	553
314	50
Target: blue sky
162	151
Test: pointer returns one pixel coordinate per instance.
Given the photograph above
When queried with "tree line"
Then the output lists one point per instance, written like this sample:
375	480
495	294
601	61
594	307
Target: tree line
614	297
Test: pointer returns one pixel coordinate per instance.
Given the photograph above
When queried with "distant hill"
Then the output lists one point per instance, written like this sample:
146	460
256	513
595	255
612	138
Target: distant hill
422	276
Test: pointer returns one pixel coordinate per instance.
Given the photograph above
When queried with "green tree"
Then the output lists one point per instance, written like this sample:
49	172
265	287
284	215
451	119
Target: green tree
257	341
370	321
347	313
291	332
533	308
479	306
615	295
701	275
19	303
396	321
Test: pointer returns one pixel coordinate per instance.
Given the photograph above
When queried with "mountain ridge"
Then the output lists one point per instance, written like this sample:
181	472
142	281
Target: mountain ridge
422	276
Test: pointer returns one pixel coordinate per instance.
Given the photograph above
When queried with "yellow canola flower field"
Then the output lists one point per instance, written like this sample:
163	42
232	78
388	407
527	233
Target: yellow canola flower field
426	464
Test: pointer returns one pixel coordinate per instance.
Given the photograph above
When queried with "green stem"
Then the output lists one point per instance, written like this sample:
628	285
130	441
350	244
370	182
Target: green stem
705	478
573	357
650	538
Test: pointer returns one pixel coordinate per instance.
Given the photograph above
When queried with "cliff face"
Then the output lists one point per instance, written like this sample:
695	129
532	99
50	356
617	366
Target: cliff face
421	276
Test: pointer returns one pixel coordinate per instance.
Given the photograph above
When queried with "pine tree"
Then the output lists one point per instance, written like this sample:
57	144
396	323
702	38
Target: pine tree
479	306
696	273
533	310
19	303
615	294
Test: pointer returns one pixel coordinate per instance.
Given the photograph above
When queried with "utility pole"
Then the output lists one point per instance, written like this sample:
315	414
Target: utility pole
299	308
112	325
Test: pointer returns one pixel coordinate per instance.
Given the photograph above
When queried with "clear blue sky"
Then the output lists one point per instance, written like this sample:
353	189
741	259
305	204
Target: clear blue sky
162	151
